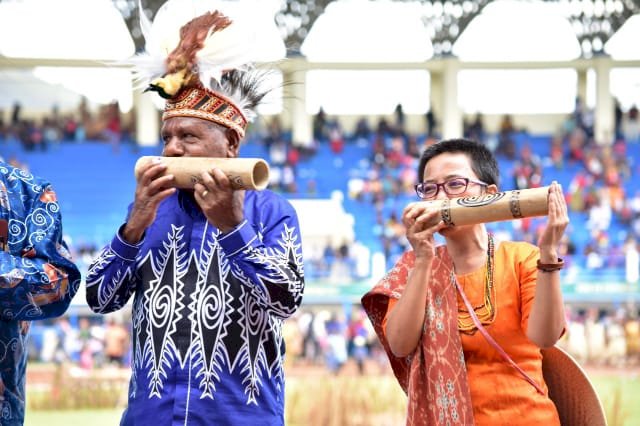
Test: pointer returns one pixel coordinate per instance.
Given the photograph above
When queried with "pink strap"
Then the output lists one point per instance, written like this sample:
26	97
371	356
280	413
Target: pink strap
491	341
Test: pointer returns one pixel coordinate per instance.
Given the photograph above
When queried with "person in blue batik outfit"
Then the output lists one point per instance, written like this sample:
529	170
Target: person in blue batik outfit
37	277
213	270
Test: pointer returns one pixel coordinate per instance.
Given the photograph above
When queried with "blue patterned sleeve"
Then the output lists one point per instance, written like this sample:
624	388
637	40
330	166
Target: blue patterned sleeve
111	279
269	259
37	277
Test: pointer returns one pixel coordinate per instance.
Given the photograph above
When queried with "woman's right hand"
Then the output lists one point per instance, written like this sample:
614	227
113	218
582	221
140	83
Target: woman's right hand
421	223
404	325
152	187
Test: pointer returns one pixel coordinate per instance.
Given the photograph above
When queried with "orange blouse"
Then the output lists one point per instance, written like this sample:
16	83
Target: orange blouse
499	394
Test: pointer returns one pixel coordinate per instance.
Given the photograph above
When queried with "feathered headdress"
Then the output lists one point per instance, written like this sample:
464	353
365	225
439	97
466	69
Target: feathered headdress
201	62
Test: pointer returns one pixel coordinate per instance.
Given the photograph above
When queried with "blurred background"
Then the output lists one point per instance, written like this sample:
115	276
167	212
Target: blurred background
551	87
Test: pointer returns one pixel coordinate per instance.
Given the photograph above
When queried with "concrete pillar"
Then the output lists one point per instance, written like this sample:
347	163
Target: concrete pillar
451	113
147	119
437	98
581	90
604	117
286	115
294	108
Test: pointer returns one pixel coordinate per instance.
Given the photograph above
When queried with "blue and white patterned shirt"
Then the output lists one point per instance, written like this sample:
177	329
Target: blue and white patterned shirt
37	277
207	312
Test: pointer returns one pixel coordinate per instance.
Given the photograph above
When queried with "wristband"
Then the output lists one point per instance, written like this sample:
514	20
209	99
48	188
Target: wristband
550	267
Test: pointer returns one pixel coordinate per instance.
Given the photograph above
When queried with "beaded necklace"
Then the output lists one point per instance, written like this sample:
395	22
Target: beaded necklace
487	311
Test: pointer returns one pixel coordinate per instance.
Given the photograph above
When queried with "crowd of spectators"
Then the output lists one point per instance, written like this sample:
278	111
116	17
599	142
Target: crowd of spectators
106	124
596	187
599	337
84	340
337	337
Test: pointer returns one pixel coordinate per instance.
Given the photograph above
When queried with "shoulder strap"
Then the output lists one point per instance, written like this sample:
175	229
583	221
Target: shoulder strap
491	341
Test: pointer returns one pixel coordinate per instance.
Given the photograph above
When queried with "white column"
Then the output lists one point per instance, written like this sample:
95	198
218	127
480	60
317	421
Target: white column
147	119
582	85
604	126
437	98
295	111
286	115
451	112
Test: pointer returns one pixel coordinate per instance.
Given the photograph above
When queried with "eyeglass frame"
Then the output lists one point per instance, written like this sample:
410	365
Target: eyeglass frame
442	185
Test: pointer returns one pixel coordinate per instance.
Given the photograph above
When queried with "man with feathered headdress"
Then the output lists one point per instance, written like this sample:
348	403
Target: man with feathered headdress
213	271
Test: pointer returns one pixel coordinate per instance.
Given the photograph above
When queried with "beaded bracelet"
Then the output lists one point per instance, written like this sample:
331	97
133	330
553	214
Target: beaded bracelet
550	267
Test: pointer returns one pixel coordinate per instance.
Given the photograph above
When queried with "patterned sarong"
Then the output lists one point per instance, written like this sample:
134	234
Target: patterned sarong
434	375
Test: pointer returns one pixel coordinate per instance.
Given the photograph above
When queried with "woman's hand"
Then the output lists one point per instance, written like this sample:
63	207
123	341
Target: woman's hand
421	223
547	319
557	222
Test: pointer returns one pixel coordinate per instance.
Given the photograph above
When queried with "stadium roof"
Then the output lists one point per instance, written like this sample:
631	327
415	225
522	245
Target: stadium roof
96	27
593	21
327	31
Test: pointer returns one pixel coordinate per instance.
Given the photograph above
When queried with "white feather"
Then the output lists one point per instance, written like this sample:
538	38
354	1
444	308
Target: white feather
172	15
164	33
161	37
226	49
241	102
145	24
230	48
146	68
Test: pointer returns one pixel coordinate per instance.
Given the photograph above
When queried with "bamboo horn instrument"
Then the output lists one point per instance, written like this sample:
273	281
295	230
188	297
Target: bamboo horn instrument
506	205
244	173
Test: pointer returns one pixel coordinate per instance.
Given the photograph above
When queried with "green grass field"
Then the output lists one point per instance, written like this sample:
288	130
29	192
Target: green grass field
619	395
75	417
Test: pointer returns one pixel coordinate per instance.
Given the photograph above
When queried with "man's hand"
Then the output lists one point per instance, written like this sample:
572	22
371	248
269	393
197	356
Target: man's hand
222	205
151	189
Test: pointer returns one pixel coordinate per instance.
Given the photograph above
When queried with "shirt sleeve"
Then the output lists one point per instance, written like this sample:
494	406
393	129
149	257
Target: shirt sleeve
528	273
268	260
37	277
111	279
390	305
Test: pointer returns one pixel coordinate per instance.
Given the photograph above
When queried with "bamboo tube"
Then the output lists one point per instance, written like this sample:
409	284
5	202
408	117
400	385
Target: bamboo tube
507	205
244	173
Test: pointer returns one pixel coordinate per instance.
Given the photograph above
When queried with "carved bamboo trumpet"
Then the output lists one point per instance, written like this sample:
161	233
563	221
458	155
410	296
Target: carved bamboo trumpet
244	173
506	205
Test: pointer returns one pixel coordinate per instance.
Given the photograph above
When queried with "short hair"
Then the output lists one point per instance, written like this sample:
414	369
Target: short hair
483	163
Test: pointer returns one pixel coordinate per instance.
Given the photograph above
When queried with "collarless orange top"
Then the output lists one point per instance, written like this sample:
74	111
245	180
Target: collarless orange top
499	394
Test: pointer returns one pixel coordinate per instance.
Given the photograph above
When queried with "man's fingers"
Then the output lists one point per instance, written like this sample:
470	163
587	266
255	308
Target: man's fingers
152	173
161	183
214	179
219	177
164	194
199	189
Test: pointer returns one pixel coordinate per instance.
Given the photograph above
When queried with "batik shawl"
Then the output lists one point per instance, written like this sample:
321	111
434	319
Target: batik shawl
434	375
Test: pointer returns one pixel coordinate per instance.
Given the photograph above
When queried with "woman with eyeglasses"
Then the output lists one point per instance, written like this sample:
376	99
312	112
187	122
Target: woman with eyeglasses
463	323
